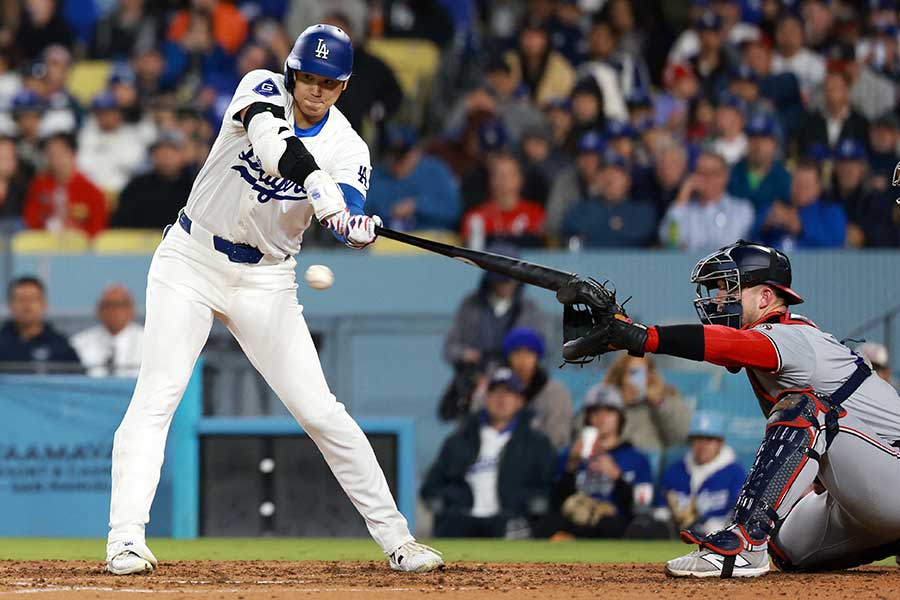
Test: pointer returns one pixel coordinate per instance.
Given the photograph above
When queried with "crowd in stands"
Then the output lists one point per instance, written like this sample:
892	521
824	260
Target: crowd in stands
29	343
560	123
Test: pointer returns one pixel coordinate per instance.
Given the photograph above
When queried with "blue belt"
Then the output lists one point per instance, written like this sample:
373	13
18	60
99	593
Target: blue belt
237	253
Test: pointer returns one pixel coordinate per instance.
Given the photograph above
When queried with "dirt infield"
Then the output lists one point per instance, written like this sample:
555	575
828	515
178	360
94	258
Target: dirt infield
256	580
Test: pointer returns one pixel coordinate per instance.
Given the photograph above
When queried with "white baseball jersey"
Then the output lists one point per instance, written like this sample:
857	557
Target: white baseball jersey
810	357
235	199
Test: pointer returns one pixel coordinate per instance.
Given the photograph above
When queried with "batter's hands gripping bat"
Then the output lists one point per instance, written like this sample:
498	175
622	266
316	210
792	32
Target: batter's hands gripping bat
589	306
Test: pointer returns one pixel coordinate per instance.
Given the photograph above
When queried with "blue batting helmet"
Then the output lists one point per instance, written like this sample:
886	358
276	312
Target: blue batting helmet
323	50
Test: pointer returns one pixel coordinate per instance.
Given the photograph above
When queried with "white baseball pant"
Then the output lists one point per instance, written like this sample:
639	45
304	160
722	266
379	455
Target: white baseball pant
190	283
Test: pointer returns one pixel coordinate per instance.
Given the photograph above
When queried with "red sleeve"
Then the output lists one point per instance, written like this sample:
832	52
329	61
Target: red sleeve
731	347
31	212
96	202
719	345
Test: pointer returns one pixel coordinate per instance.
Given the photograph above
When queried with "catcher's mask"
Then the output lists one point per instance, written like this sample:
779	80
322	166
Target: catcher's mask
721	276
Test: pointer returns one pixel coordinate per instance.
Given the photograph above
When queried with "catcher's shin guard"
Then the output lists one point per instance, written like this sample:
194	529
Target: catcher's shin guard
799	430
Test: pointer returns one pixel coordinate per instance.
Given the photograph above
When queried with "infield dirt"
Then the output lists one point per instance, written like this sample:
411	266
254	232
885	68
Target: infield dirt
258	580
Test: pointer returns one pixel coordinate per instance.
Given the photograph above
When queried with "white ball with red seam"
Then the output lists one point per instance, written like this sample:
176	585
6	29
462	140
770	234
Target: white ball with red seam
319	277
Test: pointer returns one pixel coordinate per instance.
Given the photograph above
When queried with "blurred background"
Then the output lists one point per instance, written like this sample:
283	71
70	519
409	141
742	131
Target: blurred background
622	139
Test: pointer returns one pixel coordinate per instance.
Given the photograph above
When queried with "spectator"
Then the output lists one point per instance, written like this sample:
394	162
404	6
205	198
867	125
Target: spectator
808	221
620	138
871	93
486	316
61	197
27	109
612	218
506	215
877	221
374	92
195	56
730	141
877	355
47	78
577	183
150	71
711	63
609	70
587	112
603	481
704	215
656	417
547	400
544	71
836	121
699	492
412	191
494	475
672	107
734	31
491	141
12	181
503	97
761	177
40	25
127	26
300	14
884	135
27	341
152	200
112	348
110	151
229	26
781	90
670	167
793	57
559	115
540	161
850	189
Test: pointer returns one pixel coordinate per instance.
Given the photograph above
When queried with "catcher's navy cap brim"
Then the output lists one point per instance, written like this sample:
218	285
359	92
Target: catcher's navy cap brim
792	297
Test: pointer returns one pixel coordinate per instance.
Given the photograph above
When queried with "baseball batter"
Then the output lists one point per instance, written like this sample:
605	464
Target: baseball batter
283	155
833	427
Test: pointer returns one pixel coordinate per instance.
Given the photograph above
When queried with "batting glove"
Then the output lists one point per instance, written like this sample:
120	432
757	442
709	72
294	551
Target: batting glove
358	231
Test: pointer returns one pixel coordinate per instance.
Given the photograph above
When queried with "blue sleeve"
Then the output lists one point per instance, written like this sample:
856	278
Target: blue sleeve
641	468
355	202
444	208
824	226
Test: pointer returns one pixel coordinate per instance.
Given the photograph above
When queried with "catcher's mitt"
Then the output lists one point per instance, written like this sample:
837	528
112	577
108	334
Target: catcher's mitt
585	511
594	323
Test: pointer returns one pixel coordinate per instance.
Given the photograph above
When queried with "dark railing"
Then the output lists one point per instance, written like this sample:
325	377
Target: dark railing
886	320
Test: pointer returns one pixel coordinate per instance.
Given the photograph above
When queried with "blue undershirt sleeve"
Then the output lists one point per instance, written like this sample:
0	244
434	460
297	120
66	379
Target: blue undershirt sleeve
355	202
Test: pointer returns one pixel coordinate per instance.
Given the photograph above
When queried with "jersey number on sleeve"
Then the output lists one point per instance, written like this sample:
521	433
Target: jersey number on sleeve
364	176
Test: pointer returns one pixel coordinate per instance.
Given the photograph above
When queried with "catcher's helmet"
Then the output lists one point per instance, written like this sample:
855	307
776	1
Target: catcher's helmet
732	268
323	50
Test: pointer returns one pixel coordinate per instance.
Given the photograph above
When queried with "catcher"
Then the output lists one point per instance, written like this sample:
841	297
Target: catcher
830	421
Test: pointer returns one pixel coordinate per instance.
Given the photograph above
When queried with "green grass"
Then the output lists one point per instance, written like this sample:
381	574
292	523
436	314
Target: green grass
593	551
347	549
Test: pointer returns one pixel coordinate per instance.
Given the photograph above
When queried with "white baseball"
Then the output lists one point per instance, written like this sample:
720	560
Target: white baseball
319	277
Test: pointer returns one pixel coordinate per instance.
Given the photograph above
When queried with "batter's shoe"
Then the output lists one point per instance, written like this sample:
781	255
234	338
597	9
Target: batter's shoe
414	557
722	554
129	558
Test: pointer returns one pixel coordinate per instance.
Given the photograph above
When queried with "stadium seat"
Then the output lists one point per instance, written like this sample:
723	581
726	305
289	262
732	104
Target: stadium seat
413	61
88	78
127	241
46	242
386	246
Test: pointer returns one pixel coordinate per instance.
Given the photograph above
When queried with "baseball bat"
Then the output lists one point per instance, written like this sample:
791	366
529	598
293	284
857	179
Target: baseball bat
521	270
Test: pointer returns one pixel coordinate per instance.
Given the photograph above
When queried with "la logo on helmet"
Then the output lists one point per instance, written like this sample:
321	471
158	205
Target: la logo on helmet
322	50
